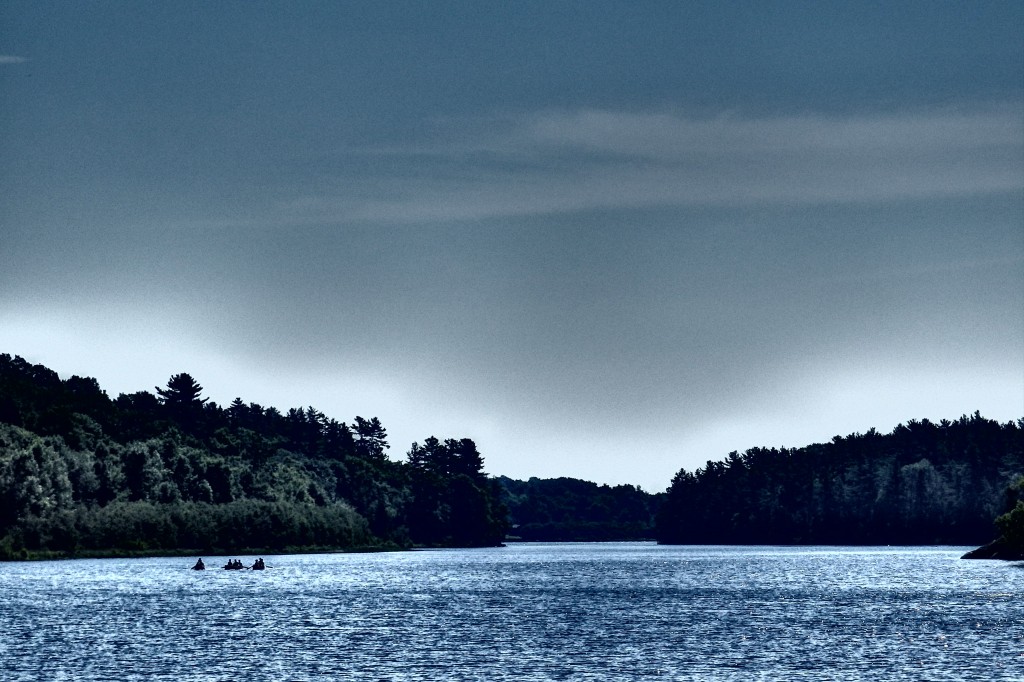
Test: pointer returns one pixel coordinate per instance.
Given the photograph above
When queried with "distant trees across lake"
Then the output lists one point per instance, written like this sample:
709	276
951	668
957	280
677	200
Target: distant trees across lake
924	483
572	510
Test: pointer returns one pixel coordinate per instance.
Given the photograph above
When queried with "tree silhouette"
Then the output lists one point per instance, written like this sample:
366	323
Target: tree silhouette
182	390
181	398
372	441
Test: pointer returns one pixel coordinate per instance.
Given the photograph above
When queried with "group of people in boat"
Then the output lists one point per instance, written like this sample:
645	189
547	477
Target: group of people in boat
233	565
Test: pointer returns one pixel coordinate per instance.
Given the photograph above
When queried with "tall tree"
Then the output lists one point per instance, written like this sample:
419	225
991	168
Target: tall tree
182	390
372	439
181	398
464	458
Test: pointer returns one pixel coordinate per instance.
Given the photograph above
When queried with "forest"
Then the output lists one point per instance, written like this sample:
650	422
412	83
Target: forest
81	473
923	483
572	510
170	471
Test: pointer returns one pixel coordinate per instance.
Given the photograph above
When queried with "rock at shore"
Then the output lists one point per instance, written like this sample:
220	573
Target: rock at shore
998	549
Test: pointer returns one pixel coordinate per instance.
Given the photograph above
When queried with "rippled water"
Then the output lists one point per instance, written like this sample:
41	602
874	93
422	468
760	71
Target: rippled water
629	611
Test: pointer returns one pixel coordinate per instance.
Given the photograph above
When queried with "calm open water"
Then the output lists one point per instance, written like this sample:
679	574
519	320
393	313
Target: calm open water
608	611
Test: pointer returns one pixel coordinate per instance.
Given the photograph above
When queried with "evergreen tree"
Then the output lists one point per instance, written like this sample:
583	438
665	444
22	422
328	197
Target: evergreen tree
181	400
182	391
371	442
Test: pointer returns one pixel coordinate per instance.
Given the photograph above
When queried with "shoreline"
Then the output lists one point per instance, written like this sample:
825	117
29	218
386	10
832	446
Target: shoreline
993	550
52	555
998	550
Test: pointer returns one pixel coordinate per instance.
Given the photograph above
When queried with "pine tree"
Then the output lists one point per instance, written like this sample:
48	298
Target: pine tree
181	398
182	390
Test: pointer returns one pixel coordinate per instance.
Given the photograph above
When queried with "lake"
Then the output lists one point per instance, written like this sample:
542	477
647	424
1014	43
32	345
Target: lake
601	611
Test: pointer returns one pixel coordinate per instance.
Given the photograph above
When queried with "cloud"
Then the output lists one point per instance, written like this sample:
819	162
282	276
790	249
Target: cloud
11	59
563	161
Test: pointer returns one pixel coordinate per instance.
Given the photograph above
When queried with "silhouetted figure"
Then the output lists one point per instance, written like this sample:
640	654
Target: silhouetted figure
258	565
200	566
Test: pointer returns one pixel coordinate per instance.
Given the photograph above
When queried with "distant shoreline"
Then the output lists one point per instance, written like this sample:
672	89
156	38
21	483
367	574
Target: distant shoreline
985	552
45	555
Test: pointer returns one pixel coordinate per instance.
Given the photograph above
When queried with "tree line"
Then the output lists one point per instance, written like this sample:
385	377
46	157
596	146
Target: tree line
573	510
923	483
172	470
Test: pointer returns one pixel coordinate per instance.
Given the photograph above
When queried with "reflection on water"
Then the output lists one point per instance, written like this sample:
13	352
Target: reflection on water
613	611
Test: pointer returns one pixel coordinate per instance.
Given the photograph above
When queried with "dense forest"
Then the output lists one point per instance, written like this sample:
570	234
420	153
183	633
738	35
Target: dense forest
172	470
923	483
571	510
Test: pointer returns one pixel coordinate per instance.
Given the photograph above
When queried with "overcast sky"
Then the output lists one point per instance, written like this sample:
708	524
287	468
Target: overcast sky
605	240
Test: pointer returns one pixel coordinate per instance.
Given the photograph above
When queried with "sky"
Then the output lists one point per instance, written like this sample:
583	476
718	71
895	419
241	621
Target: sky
605	240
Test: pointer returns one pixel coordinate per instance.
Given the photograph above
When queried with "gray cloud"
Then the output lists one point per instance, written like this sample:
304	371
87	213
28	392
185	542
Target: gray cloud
558	162
11	59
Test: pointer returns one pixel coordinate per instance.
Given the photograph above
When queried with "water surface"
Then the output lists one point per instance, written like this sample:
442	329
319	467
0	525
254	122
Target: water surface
603	611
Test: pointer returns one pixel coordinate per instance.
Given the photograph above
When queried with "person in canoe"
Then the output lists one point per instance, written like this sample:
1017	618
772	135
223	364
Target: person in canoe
258	565
200	566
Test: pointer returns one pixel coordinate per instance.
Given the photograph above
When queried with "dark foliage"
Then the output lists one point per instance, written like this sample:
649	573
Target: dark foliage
453	501
1011	524
81	472
571	510
924	483
1010	543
